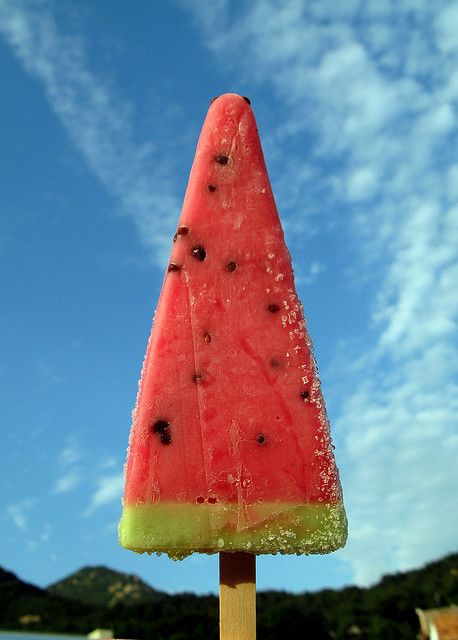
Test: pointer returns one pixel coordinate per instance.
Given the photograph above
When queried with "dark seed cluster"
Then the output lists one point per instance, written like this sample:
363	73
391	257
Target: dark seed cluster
305	394
181	231
162	429
165	437
210	499
261	438
222	158
174	267
273	307
231	266
211	187
199	253
160	426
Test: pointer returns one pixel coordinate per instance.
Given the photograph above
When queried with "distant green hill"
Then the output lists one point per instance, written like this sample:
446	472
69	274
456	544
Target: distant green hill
27	607
103	587
385	611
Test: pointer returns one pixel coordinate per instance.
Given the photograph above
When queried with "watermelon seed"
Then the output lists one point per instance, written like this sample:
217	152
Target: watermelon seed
160	426
199	253
207	338
277	418
304	394
165	437
261	438
174	267
246	99
212	500
221	158
211	187
231	266
200	499
198	376
181	231
275	363
273	308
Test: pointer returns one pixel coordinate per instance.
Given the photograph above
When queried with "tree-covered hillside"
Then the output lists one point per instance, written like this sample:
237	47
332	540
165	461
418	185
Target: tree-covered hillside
103	587
385	611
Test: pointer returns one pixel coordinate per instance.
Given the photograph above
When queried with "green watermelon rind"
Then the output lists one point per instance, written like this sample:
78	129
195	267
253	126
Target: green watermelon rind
266	528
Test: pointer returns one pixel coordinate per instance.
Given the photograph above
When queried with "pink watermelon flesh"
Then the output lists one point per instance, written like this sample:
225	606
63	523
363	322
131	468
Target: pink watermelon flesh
230	446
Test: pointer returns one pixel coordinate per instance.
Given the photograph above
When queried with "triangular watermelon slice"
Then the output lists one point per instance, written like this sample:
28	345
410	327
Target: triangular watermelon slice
230	447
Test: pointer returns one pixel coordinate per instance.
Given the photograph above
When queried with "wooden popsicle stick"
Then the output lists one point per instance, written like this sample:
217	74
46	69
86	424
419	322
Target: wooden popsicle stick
237	596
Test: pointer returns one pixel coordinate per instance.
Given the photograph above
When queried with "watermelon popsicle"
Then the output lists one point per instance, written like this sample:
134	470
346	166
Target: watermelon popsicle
230	447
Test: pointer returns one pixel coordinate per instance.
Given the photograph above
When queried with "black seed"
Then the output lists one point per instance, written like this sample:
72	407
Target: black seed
231	266
165	437
304	394
212	500
275	363
246	99
273	308
182	231
160	426
261	438
199	253
207	338
200	499
211	187
174	267
221	158
198	376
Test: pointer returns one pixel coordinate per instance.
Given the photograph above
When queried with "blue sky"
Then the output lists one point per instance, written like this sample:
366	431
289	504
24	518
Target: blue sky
101	107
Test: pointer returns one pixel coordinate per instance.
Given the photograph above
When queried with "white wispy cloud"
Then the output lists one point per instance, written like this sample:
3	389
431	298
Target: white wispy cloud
109	462
309	275
69	455
97	119
108	489
371	92
68	482
70	475
18	511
